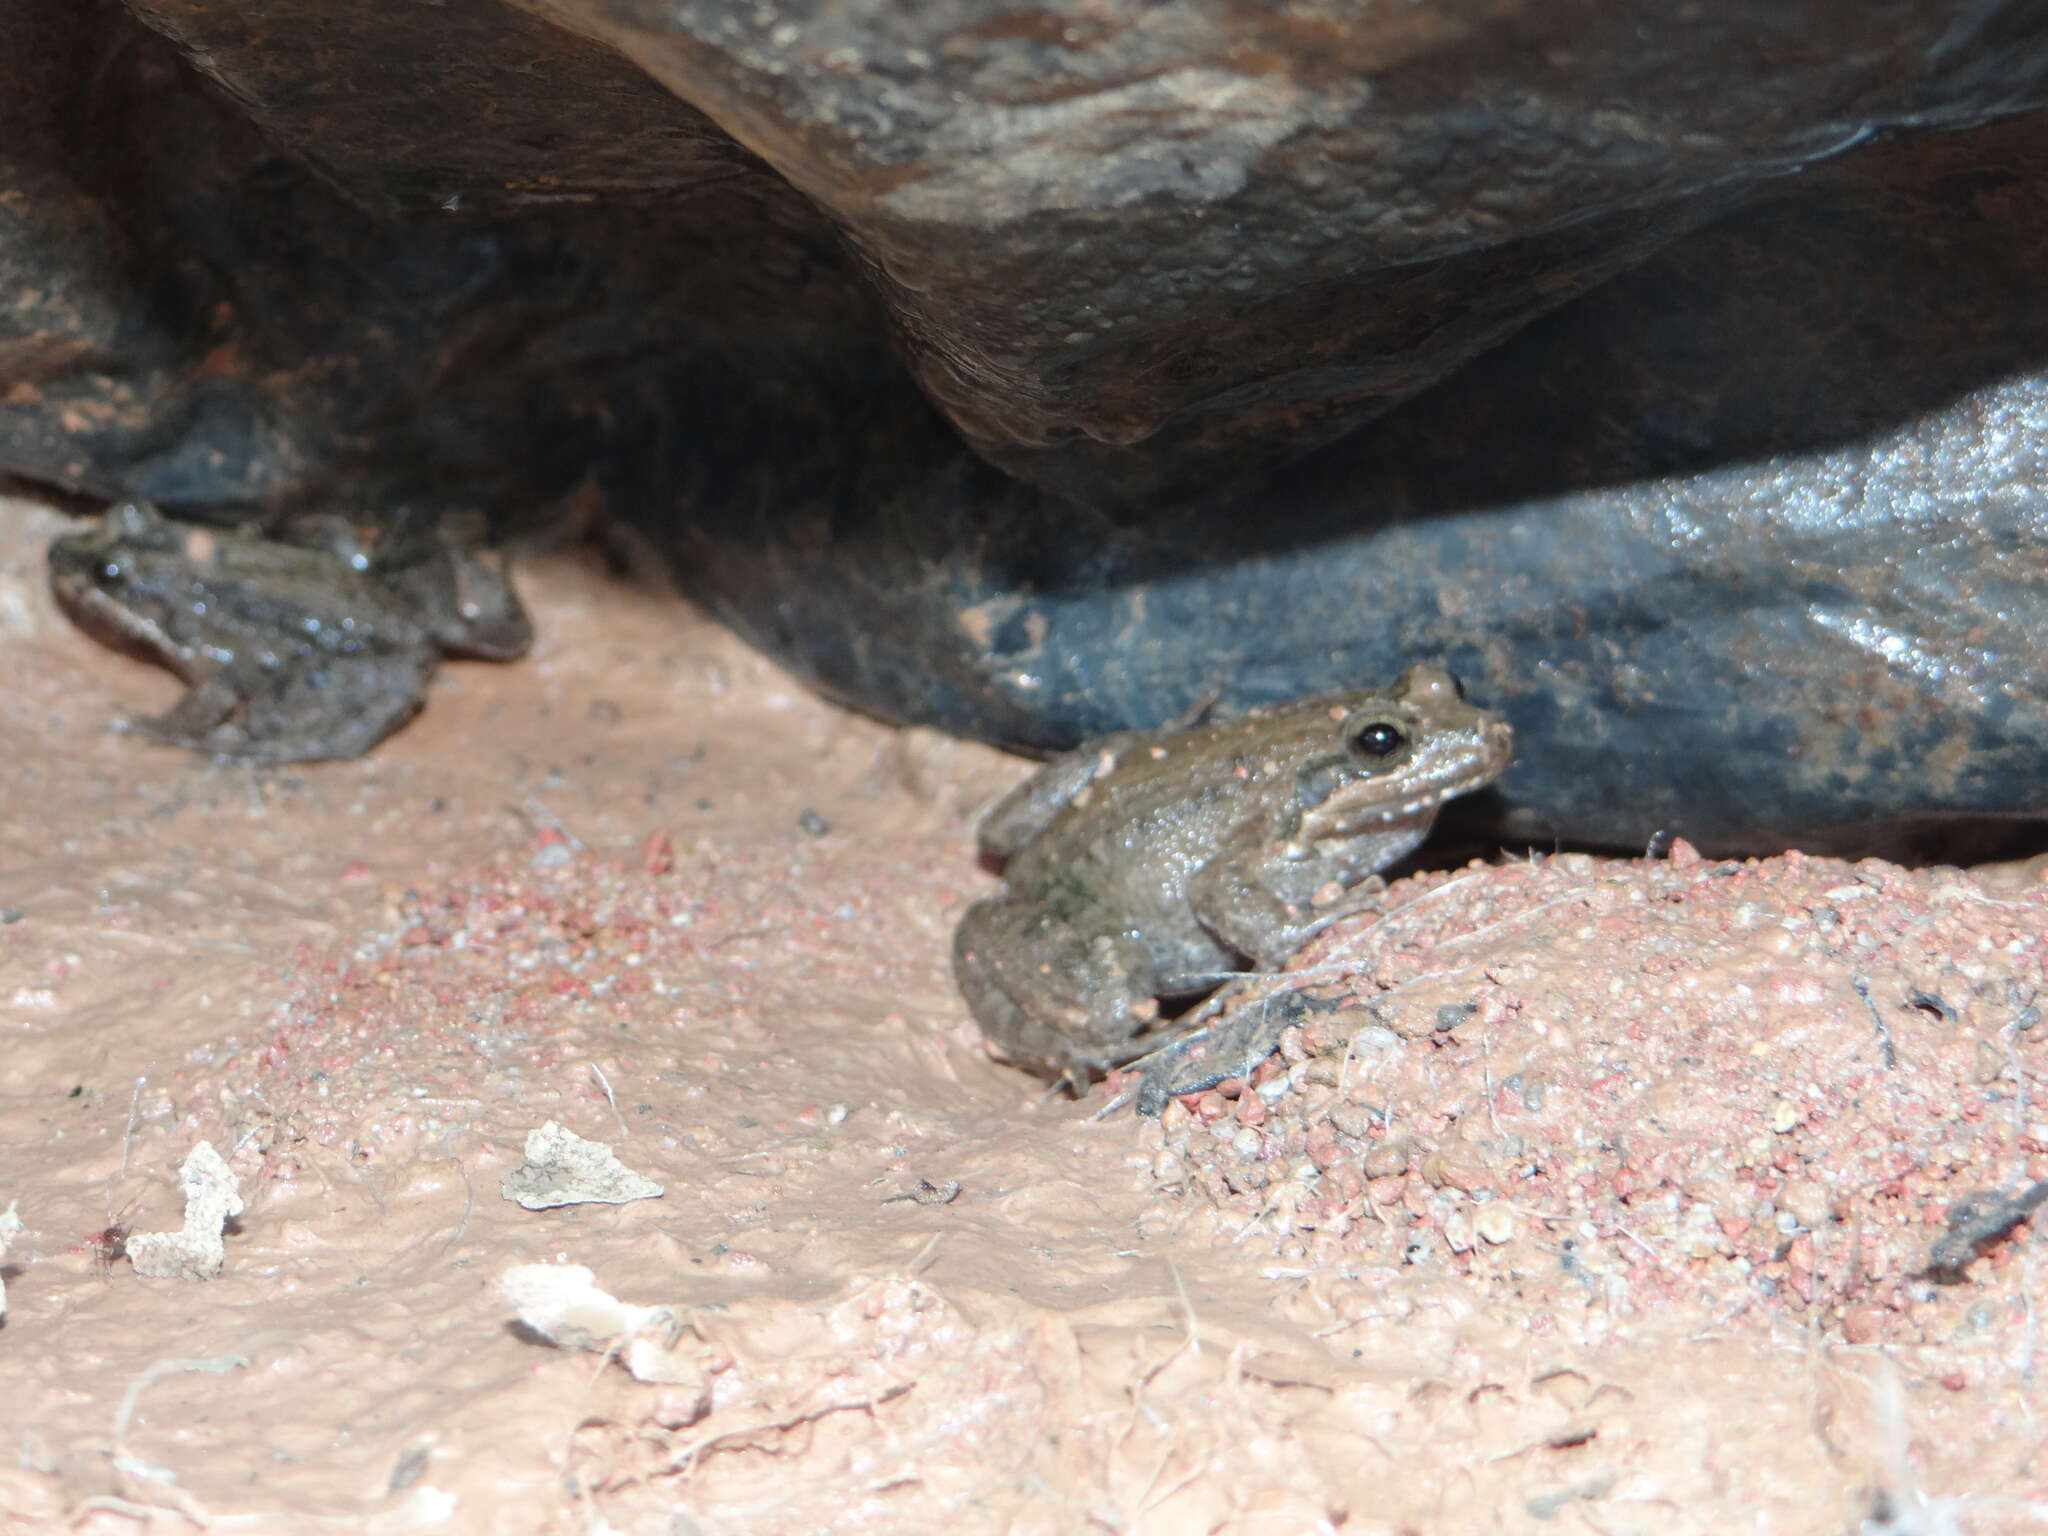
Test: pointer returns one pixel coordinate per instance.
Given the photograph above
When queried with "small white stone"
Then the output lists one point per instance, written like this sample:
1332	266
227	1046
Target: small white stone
1494	1222
561	1168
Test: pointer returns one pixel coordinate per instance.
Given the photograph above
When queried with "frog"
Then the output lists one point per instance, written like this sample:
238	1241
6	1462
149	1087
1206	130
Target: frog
1146	867
299	641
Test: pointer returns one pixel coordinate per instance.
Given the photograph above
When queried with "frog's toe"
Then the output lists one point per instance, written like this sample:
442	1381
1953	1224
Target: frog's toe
153	729
167	731
226	740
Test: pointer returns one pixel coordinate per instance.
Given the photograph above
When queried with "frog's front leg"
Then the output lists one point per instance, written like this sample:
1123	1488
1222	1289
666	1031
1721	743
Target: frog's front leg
1045	994
207	704
1026	811
1234	896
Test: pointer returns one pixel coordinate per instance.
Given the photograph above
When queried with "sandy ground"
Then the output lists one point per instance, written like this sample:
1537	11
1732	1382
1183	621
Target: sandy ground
1582	1196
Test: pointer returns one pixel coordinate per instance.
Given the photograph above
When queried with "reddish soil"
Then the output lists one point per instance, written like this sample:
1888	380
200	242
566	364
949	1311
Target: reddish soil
1586	1196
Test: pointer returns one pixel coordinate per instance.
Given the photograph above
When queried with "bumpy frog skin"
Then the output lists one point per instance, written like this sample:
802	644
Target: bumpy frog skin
1151	865
298	644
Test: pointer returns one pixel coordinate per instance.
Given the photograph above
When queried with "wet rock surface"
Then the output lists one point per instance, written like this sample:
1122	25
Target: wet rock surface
1750	545
959	356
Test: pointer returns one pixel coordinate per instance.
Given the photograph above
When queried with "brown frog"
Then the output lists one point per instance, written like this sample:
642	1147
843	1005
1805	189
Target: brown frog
1150	865
299	643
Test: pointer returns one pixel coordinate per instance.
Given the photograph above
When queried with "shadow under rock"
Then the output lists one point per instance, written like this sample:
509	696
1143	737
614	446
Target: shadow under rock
1748	543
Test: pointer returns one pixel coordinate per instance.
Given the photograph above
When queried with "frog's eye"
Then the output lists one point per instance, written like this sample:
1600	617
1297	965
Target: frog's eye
1374	741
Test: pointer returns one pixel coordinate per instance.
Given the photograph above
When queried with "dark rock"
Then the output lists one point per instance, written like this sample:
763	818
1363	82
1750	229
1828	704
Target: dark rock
1134	247
207	321
1751	544
1129	250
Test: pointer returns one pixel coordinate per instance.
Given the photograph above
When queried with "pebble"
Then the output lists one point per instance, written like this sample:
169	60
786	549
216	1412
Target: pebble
1807	1201
1387	1159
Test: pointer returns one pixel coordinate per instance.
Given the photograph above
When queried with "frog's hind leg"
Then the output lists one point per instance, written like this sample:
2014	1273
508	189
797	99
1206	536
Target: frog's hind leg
337	707
332	707
1046	995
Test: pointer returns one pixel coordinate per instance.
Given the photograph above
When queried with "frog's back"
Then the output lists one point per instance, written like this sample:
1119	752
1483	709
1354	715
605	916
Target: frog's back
1124	849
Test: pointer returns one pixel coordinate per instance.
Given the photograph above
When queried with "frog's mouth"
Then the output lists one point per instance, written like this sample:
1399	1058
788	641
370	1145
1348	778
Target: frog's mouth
1497	750
1409	810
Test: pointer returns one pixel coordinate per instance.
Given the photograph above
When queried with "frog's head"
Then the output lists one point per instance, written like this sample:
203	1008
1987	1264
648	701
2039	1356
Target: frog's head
110	579
1395	757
